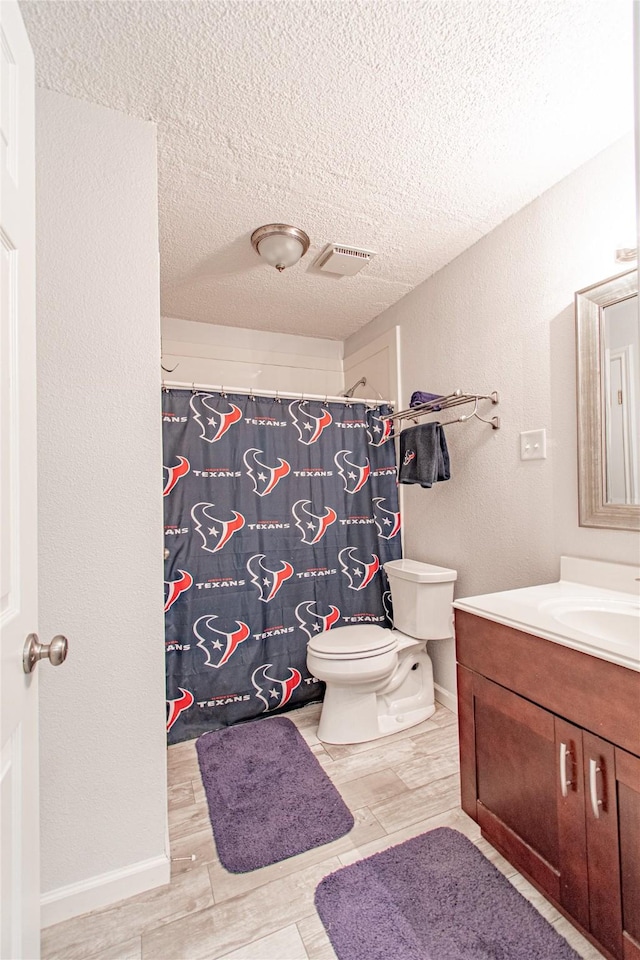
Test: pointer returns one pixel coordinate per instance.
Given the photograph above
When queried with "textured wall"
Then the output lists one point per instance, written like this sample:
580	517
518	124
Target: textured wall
100	510
501	317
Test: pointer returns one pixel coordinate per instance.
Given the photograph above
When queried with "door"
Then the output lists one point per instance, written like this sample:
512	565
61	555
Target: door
622	481
19	813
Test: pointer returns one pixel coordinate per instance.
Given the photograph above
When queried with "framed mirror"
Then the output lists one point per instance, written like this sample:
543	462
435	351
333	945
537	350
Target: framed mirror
608	388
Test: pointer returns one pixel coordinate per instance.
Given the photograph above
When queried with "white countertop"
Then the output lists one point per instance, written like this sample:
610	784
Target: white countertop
537	610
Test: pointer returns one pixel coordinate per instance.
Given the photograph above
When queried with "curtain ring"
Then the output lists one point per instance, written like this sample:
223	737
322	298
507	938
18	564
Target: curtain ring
277	397
222	393
251	395
193	387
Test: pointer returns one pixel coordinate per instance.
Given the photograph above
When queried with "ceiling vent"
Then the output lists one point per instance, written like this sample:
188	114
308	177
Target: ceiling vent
343	261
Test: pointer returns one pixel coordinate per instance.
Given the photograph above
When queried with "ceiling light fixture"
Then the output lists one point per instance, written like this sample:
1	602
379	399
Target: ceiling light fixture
279	244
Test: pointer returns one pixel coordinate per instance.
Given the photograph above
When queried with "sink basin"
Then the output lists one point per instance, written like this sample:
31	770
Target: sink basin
594	607
615	621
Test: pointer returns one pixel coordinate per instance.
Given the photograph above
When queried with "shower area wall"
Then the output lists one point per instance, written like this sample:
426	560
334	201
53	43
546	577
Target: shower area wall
209	353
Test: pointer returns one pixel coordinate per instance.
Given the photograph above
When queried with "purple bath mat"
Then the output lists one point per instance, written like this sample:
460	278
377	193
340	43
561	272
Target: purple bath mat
268	796
435	897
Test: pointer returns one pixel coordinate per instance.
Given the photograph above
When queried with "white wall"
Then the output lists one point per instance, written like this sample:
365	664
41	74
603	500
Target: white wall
102	714
379	363
232	356
501	317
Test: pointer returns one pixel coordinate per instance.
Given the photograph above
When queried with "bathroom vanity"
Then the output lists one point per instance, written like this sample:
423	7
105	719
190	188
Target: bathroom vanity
549	718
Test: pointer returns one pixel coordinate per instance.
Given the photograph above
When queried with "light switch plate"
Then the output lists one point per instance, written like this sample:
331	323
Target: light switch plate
533	445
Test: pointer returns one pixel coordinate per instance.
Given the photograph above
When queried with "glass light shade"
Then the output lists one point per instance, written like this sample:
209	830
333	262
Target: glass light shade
280	244
280	251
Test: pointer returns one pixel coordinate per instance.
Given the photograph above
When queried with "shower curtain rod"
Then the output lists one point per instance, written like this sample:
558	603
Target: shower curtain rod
276	394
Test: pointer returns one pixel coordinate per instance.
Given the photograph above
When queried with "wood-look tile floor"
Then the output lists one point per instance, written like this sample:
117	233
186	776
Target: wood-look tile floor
396	788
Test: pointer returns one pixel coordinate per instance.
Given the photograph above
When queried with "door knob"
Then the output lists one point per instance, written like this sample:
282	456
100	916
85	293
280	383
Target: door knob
33	651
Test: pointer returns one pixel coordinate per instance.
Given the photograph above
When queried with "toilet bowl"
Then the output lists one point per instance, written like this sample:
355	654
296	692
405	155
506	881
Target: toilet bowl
379	681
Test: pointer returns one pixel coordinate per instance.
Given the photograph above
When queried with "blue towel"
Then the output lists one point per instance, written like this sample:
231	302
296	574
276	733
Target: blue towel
424	457
419	396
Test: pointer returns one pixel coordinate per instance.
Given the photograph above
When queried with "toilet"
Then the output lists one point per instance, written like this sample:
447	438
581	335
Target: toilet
380	681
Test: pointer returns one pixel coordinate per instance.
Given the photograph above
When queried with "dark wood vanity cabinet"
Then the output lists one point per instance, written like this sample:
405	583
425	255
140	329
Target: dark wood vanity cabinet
550	769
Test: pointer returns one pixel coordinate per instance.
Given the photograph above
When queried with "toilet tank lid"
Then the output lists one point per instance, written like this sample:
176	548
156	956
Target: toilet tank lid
419	572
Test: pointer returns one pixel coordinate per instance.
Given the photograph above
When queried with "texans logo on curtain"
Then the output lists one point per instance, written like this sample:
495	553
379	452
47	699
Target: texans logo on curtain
387	521
309	423
354	475
313	622
214	416
219	645
267	579
264	477
312	526
177	587
279	520
173	474
273	691
177	706
378	430
215	531
358	572
388	605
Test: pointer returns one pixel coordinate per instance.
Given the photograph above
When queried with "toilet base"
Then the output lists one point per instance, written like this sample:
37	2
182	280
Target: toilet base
409	718
353	715
332	729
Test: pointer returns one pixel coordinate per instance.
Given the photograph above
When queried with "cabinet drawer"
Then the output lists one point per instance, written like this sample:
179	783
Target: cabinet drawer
599	696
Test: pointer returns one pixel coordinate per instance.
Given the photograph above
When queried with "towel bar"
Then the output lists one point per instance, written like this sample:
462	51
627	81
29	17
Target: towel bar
445	402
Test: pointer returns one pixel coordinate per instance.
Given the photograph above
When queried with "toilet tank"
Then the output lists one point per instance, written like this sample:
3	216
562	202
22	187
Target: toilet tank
422	597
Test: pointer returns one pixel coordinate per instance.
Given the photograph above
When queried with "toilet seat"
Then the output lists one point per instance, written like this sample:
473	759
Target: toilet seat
353	643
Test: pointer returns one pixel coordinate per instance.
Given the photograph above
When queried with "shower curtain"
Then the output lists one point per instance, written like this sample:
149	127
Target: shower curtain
279	515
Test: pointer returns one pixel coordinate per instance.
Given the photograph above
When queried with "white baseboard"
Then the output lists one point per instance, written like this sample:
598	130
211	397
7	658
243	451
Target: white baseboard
103	890
446	698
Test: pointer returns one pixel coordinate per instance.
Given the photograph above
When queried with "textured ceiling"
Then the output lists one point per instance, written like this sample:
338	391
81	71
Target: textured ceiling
408	128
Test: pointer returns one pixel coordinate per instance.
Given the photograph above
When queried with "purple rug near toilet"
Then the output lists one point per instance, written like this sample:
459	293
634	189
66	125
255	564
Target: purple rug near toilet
435	897
268	796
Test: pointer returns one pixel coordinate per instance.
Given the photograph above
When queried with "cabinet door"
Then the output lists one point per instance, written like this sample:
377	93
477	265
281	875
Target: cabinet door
516	781
612	784
605	908
572	834
562	804
628	789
